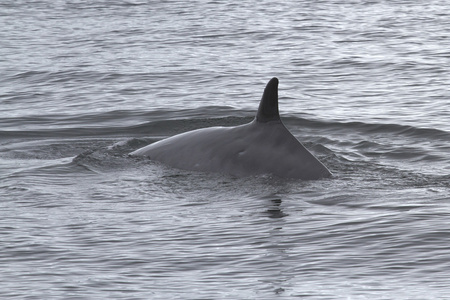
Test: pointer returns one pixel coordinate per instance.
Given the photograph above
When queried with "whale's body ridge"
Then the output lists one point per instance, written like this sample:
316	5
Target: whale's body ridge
263	146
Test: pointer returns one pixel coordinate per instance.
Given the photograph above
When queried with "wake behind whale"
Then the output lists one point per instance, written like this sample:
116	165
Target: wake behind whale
263	146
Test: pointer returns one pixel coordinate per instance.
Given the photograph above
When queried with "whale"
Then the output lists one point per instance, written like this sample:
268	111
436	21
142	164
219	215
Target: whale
263	146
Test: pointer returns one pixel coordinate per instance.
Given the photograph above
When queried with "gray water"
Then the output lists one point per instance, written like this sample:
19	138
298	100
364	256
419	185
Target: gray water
363	84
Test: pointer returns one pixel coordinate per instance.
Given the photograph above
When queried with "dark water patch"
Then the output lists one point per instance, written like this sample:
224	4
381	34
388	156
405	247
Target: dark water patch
171	121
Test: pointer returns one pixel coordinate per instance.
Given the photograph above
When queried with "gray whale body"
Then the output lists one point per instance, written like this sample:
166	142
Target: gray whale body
263	146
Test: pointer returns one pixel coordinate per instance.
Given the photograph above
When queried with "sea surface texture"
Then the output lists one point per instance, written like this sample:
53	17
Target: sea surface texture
364	85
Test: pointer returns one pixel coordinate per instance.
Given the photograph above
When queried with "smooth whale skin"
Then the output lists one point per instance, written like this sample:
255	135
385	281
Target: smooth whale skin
263	146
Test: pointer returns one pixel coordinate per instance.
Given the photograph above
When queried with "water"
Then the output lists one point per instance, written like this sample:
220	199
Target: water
363	84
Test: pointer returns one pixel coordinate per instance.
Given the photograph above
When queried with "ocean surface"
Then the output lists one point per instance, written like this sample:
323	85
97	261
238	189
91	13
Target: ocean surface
364	84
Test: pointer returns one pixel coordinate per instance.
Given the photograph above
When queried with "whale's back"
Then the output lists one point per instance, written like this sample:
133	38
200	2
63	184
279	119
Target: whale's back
250	149
263	146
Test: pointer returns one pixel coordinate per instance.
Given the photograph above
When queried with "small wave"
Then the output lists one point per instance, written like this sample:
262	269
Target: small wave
370	128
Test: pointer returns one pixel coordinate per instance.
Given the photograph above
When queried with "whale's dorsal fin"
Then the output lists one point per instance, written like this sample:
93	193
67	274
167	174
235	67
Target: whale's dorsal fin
268	107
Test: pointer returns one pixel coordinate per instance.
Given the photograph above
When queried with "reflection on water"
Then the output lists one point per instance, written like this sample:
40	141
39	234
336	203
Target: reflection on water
274	211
